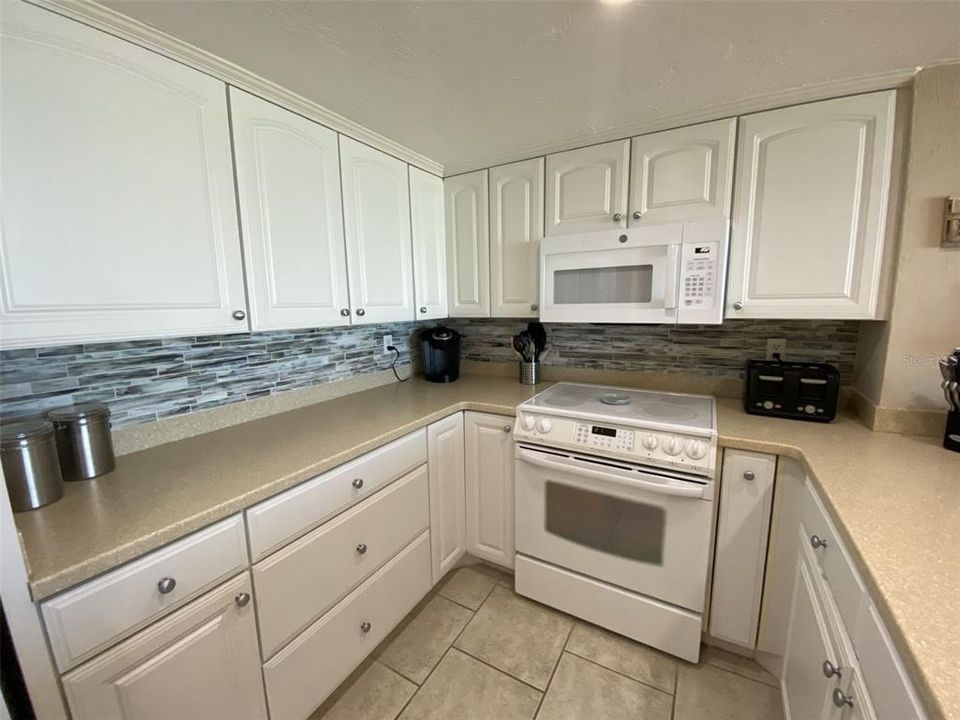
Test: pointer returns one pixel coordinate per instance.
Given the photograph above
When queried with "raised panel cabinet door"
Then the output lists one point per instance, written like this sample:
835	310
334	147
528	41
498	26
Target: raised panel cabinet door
466	202
516	228
429	244
810	209
118	213
448	537
288	183
201	662
587	188
489	483
743	524
682	174
376	220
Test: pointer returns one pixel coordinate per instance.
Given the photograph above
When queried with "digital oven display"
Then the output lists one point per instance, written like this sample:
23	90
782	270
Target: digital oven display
609	432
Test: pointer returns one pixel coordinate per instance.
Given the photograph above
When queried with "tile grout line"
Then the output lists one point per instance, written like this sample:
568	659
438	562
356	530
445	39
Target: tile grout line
741	675
555	666
621	674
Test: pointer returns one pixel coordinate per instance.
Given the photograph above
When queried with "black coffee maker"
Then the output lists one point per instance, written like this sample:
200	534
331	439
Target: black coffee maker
440	347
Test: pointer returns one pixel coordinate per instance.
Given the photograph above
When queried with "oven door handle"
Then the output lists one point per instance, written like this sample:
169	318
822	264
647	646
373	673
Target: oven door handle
694	491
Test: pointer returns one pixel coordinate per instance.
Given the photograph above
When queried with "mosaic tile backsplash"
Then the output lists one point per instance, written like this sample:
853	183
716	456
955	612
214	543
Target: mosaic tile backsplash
153	379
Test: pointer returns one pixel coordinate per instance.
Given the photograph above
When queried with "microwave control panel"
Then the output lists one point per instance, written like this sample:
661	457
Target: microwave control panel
699	275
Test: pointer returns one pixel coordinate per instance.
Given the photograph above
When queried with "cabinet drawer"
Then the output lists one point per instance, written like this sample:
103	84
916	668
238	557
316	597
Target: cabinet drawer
84	620
305	672
832	558
200	662
302	581
294	512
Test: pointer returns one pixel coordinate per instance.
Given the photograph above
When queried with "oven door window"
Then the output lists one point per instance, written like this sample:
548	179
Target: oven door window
624	528
613	284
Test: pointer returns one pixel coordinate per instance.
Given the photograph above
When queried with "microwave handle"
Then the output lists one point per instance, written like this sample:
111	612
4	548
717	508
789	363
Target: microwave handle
670	282
611	476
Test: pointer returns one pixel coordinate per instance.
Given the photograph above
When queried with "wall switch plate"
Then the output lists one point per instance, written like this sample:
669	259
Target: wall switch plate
387	342
776	346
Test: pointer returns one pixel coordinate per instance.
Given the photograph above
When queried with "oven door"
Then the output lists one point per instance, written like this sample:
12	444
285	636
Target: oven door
645	531
611	277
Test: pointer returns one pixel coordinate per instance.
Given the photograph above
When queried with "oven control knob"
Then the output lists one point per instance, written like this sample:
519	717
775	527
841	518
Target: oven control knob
650	442
528	422
673	446
695	449
544	425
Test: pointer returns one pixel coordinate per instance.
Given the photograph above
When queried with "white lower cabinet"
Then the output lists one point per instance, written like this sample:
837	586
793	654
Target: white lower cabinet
305	672
200	662
488	441
447	494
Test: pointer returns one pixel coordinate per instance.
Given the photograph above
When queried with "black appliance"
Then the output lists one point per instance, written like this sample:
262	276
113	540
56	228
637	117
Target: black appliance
440	347
798	390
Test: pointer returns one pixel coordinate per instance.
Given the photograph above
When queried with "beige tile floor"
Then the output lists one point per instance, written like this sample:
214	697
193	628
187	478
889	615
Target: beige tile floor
474	649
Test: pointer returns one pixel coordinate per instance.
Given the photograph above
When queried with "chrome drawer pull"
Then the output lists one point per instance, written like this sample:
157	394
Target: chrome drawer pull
817	542
242	599
362	548
830	670
748	475
358	483
166	585
365	626
839	699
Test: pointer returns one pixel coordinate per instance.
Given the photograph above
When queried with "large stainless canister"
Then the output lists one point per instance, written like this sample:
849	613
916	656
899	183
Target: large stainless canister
83	440
29	455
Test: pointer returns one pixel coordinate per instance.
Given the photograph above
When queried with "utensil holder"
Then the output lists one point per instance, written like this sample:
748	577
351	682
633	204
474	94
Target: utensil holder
951	434
529	373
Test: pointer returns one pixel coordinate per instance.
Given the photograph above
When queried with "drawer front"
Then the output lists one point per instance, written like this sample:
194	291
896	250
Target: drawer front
82	621
292	513
305	672
302	581
832	558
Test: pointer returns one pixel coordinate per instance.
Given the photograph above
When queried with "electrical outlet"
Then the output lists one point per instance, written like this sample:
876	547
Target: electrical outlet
776	346
387	342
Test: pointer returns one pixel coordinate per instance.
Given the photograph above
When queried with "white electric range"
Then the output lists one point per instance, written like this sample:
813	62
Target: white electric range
614	507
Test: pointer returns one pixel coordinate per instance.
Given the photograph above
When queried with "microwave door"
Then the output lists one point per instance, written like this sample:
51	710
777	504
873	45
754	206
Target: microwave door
614	285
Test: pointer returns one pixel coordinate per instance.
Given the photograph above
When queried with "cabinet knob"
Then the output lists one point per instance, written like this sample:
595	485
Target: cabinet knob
840	699
166	585
365	626
358	483
817	542
239	315
637	214
534	306
507	428
362	549
345	312
738	305
748	475
361	312
617	217
830	670
242	599
423	310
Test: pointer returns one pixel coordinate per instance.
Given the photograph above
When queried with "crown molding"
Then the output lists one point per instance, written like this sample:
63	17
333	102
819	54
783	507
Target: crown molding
110	21
771	101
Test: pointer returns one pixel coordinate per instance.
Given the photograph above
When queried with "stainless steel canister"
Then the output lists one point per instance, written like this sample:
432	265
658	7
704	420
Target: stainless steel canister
29	456
529	373
83	440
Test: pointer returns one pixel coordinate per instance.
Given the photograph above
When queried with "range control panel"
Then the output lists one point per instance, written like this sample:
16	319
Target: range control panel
609	438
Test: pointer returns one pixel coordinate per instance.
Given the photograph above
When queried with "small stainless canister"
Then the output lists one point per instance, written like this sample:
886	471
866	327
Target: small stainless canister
529	373
30	467
83	440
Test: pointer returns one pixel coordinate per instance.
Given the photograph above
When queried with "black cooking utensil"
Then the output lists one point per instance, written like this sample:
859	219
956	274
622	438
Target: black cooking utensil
520	347
539	335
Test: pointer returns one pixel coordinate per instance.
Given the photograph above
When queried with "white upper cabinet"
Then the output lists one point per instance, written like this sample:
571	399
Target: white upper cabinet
119	217
429	244
288	179
810	209
516	227
682	174
376	219
587	188
468	244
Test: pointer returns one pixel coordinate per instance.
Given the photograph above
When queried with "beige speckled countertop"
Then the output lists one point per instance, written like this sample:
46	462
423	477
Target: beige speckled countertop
895	498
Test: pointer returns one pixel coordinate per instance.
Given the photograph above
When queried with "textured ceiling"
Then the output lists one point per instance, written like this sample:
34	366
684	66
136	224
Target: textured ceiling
462	82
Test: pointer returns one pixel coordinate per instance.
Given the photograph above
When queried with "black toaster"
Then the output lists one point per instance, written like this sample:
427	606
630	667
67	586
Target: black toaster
798	390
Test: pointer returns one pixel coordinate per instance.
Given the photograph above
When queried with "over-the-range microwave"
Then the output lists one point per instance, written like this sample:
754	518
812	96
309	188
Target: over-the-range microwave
672	273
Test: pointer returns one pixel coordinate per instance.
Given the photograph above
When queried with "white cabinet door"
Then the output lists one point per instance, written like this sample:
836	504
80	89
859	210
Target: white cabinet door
682	174
119	218
468	244
516	227
810	209
587	188
288	181
429	244
201	662
743	524
447	494
489	480
376	219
